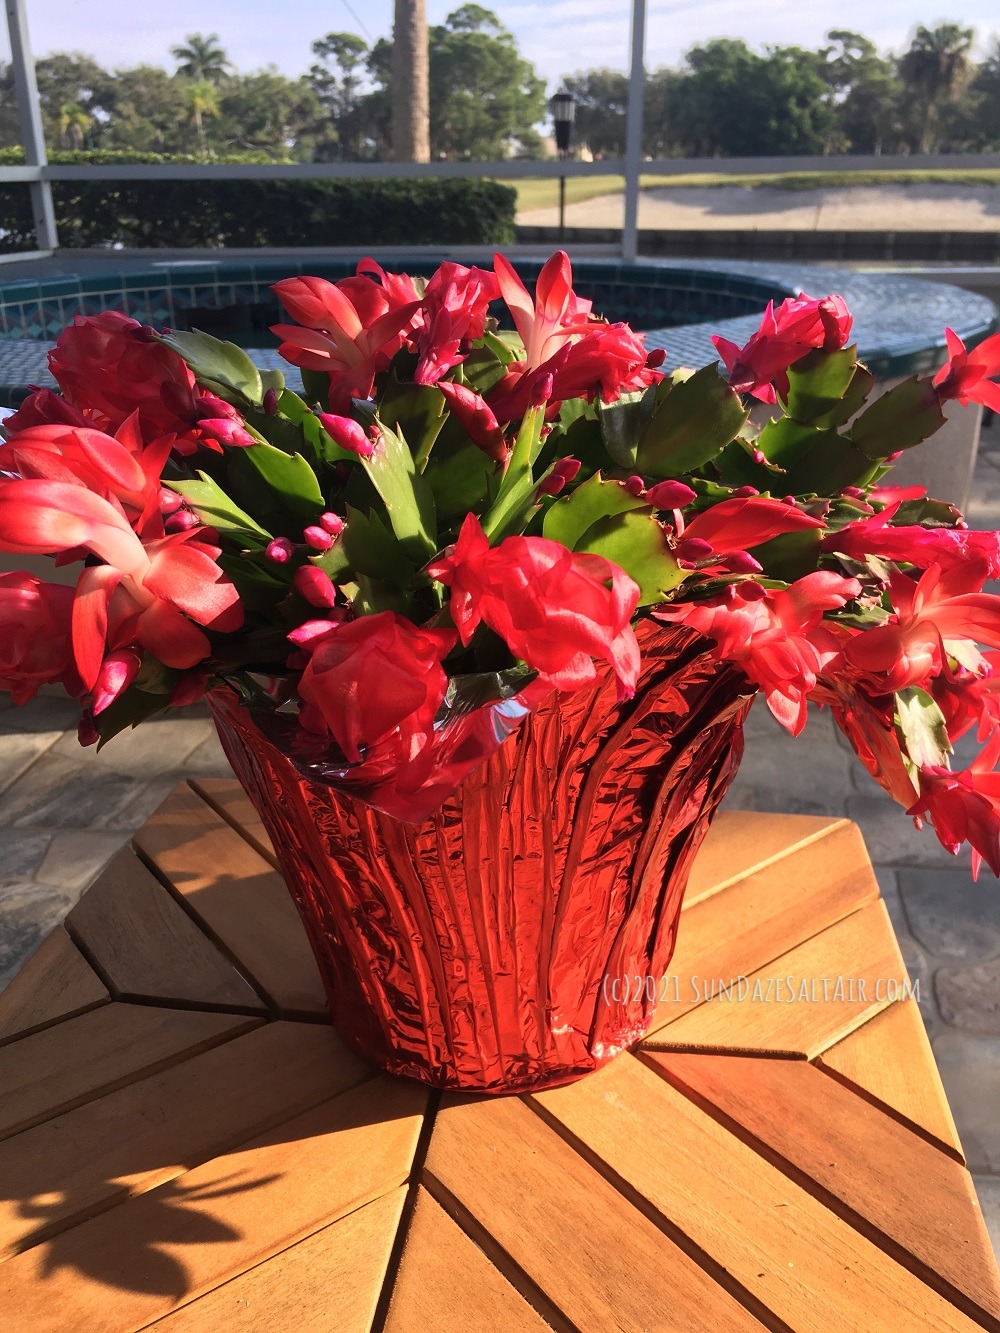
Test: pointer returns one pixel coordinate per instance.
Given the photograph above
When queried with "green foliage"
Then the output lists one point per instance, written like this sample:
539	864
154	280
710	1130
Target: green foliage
248	213
693	423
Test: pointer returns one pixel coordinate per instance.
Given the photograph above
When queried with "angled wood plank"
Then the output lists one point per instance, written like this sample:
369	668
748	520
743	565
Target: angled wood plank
150	1131
760	917
137	1262
148	946
328	1283
234	805
891	1060
565	1227
874	1165
238	896
807	1265
741	842
806	1000
86	1056
55	982
446	1283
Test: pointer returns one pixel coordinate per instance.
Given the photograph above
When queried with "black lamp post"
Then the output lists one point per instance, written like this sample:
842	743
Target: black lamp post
563	107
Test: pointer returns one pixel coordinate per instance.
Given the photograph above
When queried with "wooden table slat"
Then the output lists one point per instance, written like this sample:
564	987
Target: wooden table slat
148	946
809	1266
219	875
150	1131
571	1232
332	1280
55	982
879	1169
760	917
742	842
87	1056
446	1283
137	1262
774	1014
234	805
890	1059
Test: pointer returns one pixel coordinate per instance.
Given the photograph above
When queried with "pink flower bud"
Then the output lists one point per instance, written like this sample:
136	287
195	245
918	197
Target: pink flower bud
742	562
270	401
315	586
656	358
552	484
183	521
670	495
318	538
189	689
693	548
744	492
347	433
758	456
541	391
227	432
333	524
213	409
750	591
280	550
634	485
788	500
853	493
118	670
169	501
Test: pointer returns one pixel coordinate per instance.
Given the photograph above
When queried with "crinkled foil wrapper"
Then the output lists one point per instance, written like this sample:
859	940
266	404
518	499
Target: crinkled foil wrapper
487	946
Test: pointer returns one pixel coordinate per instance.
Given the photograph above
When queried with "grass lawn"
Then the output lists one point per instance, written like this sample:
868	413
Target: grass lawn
537	193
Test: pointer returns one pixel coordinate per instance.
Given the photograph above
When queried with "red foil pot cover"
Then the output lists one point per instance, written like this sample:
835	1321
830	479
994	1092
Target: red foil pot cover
479	948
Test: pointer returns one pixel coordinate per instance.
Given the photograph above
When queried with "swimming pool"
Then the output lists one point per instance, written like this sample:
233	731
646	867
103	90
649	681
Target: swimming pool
899	321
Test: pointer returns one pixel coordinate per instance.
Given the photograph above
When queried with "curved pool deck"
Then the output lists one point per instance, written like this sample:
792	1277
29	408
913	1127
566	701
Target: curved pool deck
899	320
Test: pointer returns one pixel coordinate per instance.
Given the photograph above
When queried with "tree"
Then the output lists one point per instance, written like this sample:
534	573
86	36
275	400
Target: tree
202	103
337	80
601	110
485	97
732	102
865	93
147	110
410	83
201	60
267	111
74	125
71	79
936	69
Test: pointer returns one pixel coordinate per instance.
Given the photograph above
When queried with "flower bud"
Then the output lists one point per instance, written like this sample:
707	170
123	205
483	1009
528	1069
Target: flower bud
347	433
541	391
270	401
853	493
693	548
744	492
169	501
742	562
758	456
228	432
280	550
670	495
318	538
332	523
750	591
634	484
315	586
213	409
183	521
656	357
87	733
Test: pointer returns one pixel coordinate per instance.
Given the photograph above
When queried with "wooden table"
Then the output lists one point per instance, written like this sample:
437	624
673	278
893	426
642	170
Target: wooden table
185	1142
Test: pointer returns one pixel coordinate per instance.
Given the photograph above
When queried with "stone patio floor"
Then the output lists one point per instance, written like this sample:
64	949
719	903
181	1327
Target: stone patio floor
65	811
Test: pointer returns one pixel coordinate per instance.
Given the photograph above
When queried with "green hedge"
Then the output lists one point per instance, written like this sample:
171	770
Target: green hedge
250	213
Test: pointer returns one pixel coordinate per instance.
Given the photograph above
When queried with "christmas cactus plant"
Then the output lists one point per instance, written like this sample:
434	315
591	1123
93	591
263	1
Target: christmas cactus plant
475	498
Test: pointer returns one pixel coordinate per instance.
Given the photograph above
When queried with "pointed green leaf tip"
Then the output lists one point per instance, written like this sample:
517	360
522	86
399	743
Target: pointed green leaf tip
218	364
602	518
693	423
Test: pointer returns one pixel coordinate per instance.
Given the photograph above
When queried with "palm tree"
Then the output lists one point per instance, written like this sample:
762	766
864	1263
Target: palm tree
201	60
202	102
936	69
410	83
73	125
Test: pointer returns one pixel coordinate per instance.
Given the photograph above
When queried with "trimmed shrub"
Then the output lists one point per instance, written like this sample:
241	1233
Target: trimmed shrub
252	213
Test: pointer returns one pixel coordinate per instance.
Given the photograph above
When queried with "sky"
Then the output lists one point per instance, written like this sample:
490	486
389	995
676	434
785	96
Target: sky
559	36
